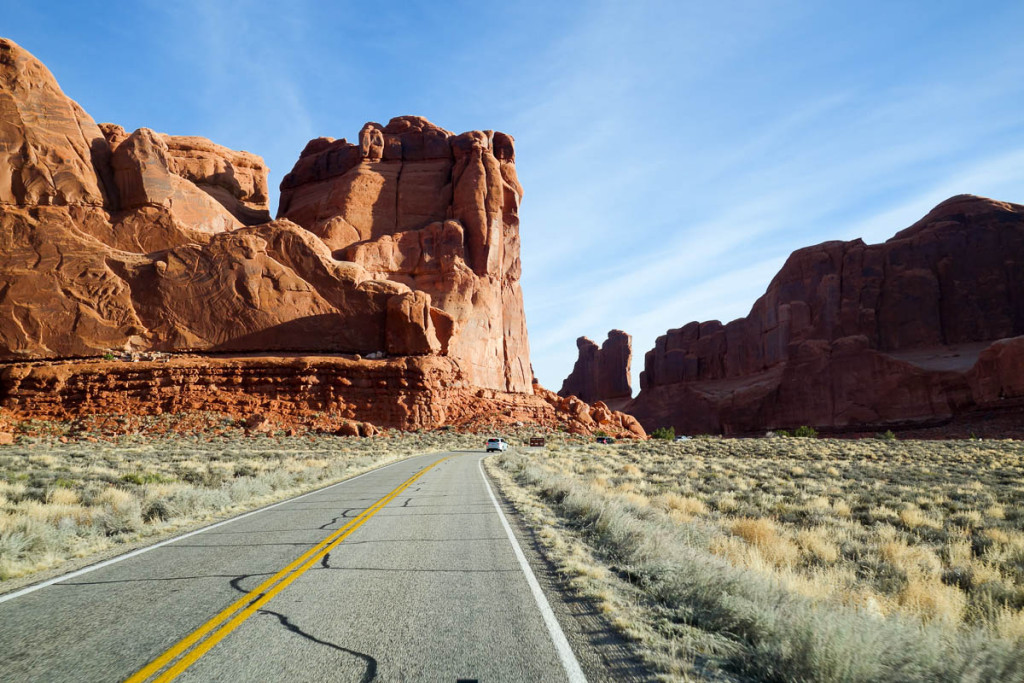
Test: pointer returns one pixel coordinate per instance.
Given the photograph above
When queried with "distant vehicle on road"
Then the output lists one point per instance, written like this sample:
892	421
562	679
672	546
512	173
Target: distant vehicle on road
496	445
681	438
605	440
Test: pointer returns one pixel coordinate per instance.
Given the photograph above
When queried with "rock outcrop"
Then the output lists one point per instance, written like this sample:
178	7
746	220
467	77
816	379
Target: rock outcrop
417	204
411	392
146	241
602	373
53	153
851	335
395	265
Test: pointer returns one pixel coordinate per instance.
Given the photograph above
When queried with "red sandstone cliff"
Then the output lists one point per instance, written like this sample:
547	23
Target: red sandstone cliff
438	212
407	253
602	373
914	330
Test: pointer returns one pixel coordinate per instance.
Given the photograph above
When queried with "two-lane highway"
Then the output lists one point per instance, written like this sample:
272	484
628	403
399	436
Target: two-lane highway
406	573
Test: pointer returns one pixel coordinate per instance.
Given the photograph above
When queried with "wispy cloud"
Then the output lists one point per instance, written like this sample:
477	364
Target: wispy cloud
636	222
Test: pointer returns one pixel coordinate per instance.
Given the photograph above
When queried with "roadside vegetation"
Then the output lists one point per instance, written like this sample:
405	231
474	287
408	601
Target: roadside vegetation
63	499
792	559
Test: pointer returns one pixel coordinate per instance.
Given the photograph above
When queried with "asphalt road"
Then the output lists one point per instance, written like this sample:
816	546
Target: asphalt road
422	583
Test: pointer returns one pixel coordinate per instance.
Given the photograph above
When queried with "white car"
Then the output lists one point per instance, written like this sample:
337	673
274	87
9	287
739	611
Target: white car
496	445
681	438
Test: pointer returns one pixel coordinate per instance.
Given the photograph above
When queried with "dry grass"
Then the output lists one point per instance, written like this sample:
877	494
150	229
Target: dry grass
60	501
924	540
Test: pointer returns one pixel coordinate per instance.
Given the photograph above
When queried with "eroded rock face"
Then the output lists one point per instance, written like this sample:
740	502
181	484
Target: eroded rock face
852	334
136	241
52	152
602	374
142	172
413	202
411	392
404	270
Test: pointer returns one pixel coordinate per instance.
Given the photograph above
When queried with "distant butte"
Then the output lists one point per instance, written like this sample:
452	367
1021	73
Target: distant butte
602	373
921	330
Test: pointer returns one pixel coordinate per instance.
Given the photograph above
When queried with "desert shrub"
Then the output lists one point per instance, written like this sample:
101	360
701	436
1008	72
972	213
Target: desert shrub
835	560
805	432
887	435
664	433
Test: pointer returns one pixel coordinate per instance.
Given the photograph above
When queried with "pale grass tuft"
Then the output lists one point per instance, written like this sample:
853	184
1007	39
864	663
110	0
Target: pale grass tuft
933	600
997	536
686	507
757	531
914	518
815	543
995	512
637	499
117	498
841	508
762	534
62	496
1009	624
631	470
914	560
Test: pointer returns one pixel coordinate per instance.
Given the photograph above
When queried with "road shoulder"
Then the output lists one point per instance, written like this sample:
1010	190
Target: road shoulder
603	653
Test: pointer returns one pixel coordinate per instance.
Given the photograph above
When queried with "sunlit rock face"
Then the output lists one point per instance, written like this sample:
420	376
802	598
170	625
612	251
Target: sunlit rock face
387	291
436	211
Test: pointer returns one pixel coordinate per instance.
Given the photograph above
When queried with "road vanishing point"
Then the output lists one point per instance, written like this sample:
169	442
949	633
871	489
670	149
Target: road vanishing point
410	572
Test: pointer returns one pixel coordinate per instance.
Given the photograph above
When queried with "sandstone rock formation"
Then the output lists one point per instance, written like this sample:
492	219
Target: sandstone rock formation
851	335
407	393
52	152
402	260
137	241
602	374
415	203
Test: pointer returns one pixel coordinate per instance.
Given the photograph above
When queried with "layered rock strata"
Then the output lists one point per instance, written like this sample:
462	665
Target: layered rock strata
602	373
914	330
405	393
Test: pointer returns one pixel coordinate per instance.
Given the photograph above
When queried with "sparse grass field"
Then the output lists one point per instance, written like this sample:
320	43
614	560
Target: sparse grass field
60	501
793	559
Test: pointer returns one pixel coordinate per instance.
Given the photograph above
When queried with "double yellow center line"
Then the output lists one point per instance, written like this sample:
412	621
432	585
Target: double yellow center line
182	655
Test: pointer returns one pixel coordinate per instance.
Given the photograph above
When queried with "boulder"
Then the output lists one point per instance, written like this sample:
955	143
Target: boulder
143	176
236	180
410	329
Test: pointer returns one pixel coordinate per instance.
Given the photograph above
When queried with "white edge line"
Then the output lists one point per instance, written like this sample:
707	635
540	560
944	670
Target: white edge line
138	551
565	653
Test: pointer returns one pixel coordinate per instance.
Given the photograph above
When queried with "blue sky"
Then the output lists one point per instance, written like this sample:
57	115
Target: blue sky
673	153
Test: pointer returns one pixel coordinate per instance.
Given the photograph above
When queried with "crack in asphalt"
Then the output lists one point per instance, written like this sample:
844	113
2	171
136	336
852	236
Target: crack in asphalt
371	663
343	515
406	503
333	521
